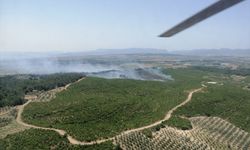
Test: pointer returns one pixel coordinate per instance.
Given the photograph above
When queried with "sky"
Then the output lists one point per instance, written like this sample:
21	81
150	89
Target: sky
83	25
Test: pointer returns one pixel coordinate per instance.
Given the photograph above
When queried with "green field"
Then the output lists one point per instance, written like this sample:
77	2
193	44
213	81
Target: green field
41	139
99	108
178	122
227	101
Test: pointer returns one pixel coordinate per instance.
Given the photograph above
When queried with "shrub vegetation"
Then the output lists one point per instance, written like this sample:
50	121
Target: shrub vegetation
99	108
42	139
14	87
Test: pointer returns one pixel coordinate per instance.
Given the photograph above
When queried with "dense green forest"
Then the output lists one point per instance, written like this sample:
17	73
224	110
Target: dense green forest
14	87
32	139
98	108
178	122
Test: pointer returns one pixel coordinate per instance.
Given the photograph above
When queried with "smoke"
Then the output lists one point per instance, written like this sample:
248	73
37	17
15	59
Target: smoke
46	66
50	65
153	74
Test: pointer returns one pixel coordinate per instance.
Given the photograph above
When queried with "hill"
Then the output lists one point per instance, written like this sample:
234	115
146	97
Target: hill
215	52
99	108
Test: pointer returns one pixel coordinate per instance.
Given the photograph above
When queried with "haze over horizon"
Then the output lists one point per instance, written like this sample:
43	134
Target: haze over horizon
64	26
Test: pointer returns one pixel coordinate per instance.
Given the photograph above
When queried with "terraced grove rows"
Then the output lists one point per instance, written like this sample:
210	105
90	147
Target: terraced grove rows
5	110
47	96
7	116
207	133
222	132
8	124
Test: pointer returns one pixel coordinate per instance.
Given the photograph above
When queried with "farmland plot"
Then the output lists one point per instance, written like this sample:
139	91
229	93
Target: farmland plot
207	133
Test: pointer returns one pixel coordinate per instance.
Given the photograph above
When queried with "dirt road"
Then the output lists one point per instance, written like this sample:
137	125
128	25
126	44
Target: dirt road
77	142
168	115
21	108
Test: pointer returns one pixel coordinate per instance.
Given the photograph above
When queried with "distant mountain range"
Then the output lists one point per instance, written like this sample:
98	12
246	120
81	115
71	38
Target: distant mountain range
132	51
197	52
215	52
120	51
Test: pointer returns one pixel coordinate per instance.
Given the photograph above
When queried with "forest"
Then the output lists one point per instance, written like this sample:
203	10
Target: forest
14	87
40	139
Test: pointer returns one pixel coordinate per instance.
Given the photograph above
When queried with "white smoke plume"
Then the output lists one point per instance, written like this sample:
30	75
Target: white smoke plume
48	65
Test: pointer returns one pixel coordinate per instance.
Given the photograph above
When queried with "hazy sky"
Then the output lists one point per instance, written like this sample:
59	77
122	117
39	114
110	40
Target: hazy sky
80	25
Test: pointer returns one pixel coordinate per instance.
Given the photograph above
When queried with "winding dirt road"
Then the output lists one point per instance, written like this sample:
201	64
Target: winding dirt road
77	142
169	113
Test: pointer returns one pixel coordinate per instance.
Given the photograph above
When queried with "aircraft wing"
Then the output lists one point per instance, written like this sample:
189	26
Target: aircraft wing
200	16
